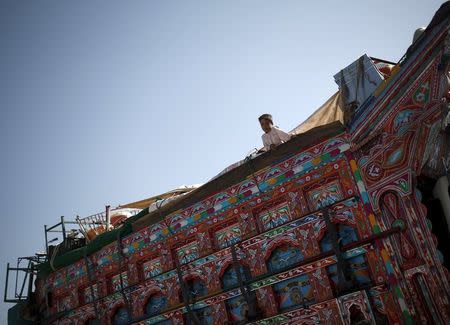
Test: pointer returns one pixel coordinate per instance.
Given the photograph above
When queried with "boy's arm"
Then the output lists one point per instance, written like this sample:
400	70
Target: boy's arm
266	143
283	135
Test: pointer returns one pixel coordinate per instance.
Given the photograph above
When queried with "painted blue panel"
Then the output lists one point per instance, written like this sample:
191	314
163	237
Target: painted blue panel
230	279
93	322
237	309
346	235
197	288
357	267
121	317
282	257
155	304
204	315
294	292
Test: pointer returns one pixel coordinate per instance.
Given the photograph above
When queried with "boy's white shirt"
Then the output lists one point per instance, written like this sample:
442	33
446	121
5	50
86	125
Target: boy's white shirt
274	136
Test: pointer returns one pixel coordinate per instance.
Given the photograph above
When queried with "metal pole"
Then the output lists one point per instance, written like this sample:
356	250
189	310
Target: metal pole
46	240
5	297
108	217
186	294
63	226
122	290
245	291
17	278
343	284
30	283
91	284
24	281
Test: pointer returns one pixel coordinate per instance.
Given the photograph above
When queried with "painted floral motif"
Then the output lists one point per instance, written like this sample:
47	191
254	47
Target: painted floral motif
116	282
228	236
404	119
89	293
294	292
152	268
325	195
422	94
275	217
188	253
64	304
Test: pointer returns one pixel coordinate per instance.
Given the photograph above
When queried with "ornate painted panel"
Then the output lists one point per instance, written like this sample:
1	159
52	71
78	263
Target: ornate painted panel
275	216
152	268
155	304
325	195
90	293
204	315
346	235
357	268
116	281
284	256
64	304
121	317
238	309
294	292
93	321
230	279
196	287
188	253
229	236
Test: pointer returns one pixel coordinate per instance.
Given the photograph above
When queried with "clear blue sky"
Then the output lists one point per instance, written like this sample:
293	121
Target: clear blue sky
111	102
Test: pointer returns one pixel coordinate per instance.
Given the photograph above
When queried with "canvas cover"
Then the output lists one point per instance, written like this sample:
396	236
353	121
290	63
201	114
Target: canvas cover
329	112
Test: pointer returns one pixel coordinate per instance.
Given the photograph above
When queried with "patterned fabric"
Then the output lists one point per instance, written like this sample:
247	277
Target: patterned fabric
294	292
283	257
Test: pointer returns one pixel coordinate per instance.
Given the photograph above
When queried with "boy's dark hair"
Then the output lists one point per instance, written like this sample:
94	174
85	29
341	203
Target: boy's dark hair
266	117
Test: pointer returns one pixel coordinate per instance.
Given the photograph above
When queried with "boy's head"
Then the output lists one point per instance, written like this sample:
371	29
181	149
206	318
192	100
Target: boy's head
266	122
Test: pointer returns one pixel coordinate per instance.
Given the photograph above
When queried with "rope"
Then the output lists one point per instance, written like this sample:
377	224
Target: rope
186	294
122	291
91	282
342	269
